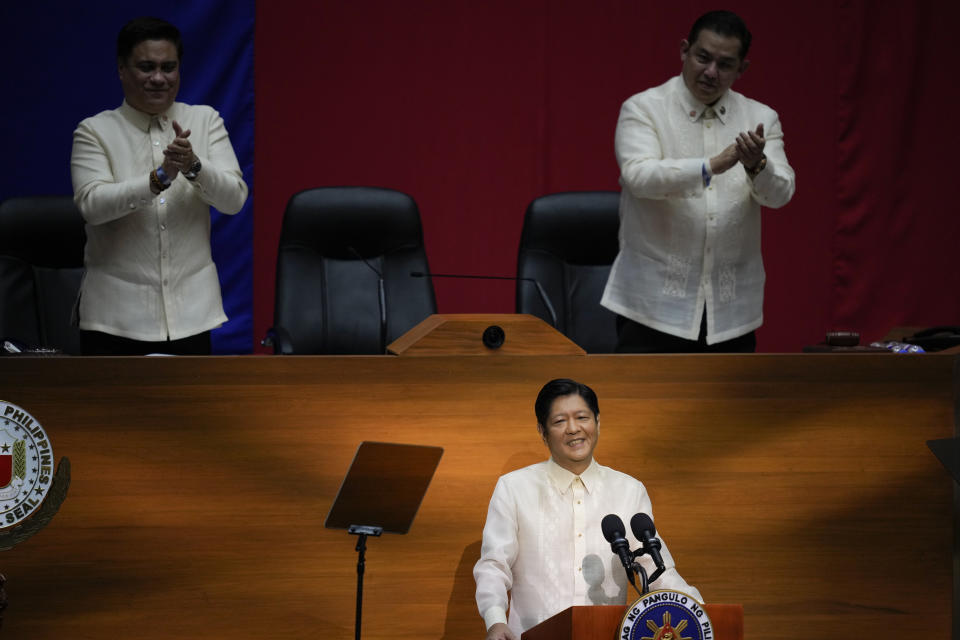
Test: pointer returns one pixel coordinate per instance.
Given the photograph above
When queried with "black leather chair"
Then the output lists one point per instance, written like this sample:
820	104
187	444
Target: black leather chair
333	244
41	266
568	244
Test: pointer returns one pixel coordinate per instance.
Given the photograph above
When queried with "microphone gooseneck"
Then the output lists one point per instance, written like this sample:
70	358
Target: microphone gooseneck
643	529
614	532
540	290
381	297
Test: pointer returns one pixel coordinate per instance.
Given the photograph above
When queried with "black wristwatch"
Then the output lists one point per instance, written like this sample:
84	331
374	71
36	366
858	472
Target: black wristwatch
193	171
753	173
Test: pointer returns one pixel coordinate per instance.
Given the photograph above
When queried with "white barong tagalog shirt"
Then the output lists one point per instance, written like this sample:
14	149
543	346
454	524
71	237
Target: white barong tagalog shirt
542	542
686	246
149	272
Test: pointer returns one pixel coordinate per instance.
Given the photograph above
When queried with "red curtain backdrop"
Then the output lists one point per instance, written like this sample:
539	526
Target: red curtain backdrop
476	108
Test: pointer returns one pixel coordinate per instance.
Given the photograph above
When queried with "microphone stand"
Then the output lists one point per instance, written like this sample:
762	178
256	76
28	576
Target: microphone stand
640	571
362	532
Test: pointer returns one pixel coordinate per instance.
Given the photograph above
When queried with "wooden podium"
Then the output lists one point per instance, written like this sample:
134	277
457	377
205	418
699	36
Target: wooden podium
464	335
602	623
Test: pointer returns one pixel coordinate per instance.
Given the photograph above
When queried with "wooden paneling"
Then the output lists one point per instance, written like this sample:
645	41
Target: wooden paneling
800	486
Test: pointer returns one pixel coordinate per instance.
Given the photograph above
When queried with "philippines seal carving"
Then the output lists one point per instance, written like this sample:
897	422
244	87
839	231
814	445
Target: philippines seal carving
30	491
666	615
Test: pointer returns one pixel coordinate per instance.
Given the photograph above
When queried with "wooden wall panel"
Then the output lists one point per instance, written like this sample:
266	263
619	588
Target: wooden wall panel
797	485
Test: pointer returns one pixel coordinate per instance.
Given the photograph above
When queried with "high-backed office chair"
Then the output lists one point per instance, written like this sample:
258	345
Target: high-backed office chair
568	244
41	266
333	244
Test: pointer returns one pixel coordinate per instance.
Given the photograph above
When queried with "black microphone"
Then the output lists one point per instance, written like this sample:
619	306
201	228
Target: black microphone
645	532
614	532
381	298
540	291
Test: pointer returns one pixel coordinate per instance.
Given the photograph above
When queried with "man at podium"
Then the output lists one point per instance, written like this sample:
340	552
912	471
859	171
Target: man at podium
542	542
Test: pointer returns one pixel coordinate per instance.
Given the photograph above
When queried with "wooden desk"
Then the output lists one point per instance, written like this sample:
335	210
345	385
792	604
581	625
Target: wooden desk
797	485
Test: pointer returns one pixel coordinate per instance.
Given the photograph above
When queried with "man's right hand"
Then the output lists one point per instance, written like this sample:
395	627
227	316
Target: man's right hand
724	160
178	154
500	631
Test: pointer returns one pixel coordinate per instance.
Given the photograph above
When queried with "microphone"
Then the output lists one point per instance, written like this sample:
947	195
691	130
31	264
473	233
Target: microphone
614	532
540	291
642	526
381	298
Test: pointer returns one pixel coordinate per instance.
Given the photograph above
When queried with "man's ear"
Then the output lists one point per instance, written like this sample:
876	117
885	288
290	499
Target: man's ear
684	49
743	67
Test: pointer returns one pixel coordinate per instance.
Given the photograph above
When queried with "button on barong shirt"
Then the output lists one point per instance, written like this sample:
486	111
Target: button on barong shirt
149	271
543	544
686	247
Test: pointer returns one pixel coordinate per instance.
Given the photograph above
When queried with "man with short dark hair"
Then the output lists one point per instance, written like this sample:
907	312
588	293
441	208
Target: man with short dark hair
542	542
144	177
697	161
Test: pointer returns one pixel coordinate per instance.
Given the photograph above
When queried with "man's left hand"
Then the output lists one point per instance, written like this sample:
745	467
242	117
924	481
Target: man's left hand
750	147
179	153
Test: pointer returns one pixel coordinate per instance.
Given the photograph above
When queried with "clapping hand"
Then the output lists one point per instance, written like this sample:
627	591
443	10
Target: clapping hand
178	156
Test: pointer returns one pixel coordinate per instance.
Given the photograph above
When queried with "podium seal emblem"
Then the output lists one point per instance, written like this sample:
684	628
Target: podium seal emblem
26	464
666	615
31	490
